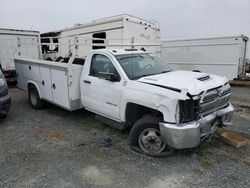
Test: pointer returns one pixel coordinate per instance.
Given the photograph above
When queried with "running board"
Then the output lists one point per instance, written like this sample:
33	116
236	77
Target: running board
112	123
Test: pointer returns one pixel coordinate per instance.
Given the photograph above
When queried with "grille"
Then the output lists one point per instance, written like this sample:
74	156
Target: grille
215	99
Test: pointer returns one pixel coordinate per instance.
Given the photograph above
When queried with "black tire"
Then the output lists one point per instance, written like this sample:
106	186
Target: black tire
34	98
141	126
3	116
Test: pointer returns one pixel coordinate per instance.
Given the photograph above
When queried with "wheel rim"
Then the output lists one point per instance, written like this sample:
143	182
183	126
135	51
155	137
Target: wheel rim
150	141
33	98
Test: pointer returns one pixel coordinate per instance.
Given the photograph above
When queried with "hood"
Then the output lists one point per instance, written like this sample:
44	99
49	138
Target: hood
193	82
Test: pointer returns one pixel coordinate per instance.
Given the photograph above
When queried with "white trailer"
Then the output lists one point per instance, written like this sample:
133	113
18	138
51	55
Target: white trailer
224	56
121	31
13	42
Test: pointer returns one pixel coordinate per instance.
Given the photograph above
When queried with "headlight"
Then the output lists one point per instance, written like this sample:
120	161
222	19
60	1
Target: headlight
2	82
188	110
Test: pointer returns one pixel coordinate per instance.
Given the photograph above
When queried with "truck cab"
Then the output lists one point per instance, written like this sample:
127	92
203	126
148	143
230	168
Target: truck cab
130	88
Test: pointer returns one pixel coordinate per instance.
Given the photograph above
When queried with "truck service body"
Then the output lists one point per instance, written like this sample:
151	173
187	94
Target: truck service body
131	88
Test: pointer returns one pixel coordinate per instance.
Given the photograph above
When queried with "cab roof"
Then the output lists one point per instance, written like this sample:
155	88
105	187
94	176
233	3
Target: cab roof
121	51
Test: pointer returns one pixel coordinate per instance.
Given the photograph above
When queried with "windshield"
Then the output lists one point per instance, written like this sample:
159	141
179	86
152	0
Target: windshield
140	65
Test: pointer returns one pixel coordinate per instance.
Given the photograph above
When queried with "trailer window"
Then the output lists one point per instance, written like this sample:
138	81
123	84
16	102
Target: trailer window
101	64
51	45
98	38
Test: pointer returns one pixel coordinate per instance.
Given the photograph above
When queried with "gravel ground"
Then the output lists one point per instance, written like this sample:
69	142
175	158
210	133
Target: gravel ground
57	148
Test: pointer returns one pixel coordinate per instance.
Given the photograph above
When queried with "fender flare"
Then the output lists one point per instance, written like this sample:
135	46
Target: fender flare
159	106
159	109
36	85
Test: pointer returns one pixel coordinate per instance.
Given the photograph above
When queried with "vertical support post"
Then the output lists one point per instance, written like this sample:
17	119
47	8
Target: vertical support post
132	42
19	46
39	46
72	59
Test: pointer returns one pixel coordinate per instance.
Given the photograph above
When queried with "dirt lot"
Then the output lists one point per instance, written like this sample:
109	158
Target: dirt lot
57	148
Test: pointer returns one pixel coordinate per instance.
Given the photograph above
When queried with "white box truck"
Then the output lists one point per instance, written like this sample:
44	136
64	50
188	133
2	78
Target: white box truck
130	88
15	42
224	56
120	31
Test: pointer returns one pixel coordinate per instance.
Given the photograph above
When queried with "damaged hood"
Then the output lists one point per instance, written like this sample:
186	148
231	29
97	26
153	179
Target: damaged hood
192	82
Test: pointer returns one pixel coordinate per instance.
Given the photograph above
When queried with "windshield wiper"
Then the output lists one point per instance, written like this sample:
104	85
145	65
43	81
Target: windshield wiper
137	77
163	72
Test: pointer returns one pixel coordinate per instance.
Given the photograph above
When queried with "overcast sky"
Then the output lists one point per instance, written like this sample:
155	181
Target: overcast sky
177	18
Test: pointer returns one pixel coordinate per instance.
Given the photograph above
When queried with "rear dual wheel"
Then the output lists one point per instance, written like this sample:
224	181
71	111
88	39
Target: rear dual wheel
34	98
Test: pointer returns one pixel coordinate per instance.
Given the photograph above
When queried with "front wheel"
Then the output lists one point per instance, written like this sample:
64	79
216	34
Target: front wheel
145	137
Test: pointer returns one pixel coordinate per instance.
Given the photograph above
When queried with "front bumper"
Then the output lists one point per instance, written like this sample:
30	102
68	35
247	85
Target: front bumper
190	134
4	105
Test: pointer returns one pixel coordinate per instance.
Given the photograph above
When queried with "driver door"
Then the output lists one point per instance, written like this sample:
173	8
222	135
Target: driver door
100	95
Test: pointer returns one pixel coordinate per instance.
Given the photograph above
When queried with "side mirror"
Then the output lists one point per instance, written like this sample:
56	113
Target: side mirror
109	76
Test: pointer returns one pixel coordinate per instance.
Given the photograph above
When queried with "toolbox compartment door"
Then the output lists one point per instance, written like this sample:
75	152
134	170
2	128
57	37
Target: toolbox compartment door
60	88
31	71
46	89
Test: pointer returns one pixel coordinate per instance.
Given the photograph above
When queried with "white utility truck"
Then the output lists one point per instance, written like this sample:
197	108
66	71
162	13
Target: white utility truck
120	31
224	56
15	42
129	88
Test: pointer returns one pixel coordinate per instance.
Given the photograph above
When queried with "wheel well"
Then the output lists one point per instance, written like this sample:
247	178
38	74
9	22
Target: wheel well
30	85
136	111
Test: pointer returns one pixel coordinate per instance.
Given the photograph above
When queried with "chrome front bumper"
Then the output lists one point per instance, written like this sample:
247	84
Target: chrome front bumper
190	134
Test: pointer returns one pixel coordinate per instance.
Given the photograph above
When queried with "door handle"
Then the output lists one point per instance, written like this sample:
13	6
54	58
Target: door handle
29	67
87	81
